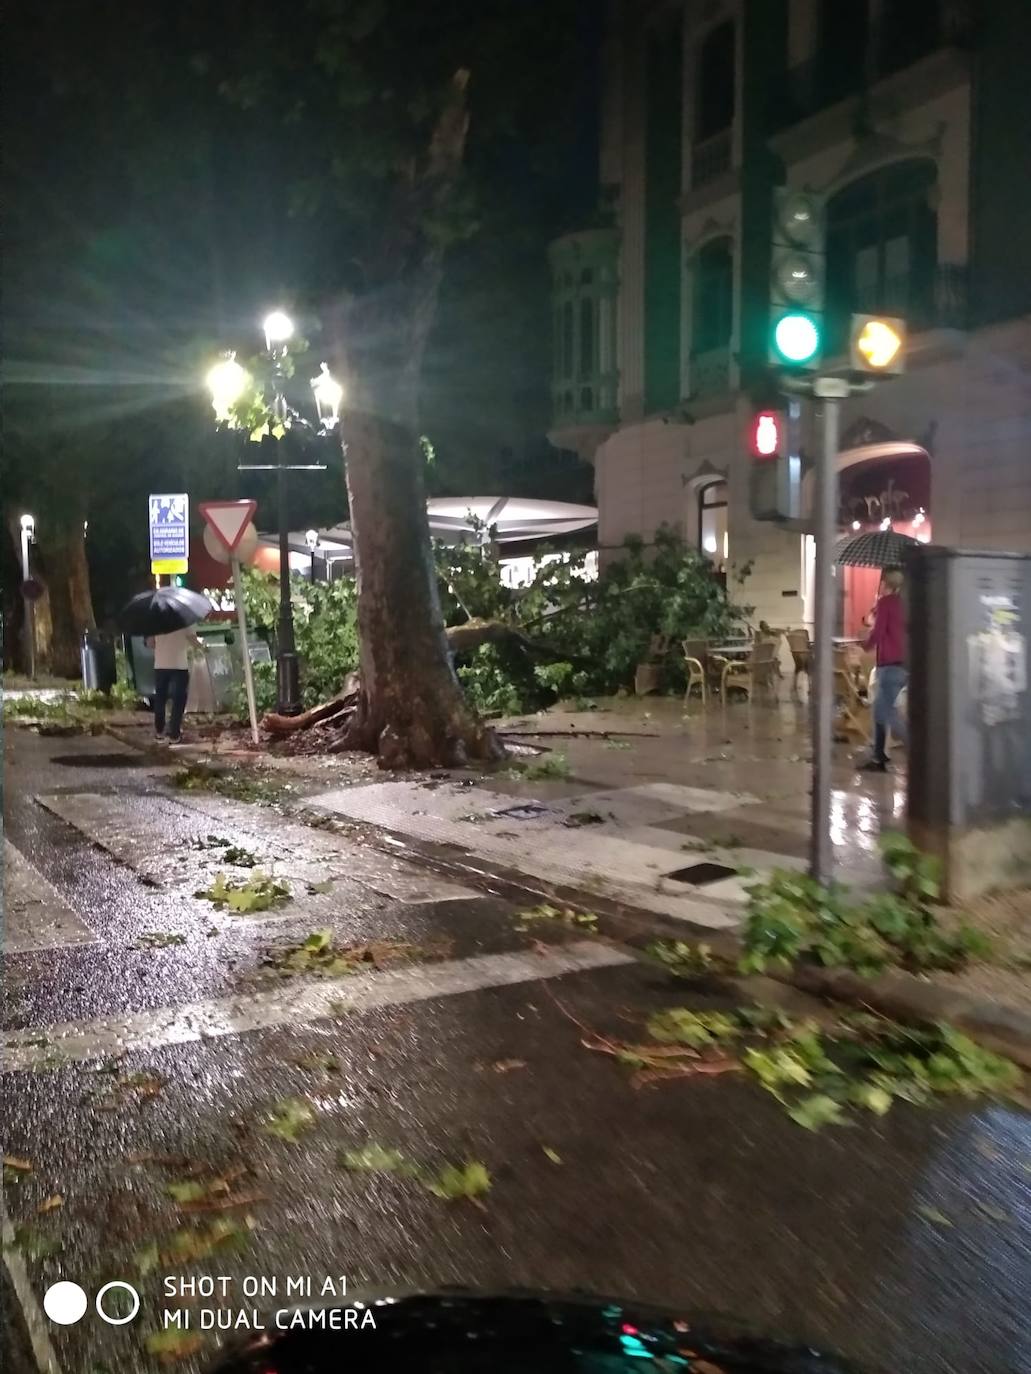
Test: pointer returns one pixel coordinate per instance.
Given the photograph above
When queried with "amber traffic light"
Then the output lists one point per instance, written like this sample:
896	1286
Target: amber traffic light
878	344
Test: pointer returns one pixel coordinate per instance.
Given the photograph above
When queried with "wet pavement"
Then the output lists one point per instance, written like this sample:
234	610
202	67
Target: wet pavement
162	1051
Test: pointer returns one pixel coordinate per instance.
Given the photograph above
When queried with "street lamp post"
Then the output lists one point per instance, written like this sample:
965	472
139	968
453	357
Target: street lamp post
227	382
311	538
28	533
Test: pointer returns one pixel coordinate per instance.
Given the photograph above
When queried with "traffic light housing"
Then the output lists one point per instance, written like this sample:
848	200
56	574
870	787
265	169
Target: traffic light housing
877	345
797	279
775	479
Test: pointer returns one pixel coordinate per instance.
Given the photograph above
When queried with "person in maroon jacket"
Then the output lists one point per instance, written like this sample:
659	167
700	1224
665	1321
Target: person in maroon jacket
888	640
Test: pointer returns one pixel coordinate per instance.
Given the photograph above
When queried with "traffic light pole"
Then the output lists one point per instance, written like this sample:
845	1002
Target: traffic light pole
831	391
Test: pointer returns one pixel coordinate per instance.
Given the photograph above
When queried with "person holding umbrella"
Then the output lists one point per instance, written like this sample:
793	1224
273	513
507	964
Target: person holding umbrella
887	639
165	618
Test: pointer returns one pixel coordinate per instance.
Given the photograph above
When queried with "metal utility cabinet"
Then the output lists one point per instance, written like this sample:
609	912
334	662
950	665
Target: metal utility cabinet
970	716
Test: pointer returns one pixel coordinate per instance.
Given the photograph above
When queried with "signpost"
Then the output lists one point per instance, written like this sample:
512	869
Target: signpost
169	533
229	523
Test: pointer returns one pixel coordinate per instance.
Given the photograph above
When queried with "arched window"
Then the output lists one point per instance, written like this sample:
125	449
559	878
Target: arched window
713	542
882	247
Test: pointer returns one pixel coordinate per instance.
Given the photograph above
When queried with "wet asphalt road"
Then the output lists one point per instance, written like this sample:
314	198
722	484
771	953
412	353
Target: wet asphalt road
904	1243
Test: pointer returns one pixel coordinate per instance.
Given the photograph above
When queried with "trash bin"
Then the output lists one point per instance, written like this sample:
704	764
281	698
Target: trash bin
99	672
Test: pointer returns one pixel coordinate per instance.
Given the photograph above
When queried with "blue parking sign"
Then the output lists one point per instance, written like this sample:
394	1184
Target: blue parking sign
169	526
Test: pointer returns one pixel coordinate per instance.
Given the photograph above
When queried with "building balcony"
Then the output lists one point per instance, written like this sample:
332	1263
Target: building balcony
711	158
585	380
933	310
710	373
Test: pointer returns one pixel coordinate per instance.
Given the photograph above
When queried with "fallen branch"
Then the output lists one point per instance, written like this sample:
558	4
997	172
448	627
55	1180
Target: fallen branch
582	734
327	710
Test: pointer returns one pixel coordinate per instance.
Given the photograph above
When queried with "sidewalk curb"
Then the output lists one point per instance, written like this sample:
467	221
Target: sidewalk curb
903	996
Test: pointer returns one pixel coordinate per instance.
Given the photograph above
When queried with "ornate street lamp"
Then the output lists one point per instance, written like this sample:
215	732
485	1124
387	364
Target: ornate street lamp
311	538
227	381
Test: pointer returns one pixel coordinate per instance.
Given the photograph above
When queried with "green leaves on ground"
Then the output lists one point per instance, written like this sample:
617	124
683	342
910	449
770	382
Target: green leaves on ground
819	1074
289	1119
547	766
172	1344
685	960
564	916
239	784
793	919
258	893
452	1182
35	1244
159	939
456	1181
318	955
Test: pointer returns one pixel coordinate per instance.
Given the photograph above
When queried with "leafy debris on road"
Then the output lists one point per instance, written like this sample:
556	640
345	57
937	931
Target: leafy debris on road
503	1065
576	819
452	1182
289	1119
564	916
553	1155
15	1168
193	1243
456	1181
213	1194
50	1204
547	766
258	893
240	784
159	939
817	1073
933	1215
686	960
212	842
318	1061
317	954
139	1087
238	857
33	1243
172	1345
793	919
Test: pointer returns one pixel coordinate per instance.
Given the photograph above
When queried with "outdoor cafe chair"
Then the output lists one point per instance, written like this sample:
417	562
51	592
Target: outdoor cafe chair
755	673
696	653
801	653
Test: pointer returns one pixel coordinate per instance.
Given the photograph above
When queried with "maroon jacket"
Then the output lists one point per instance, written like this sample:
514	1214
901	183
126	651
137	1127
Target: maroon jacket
888	636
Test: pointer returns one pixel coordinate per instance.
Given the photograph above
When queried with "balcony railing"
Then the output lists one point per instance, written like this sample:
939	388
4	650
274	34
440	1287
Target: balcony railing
938	302
584	284
711	158
710	373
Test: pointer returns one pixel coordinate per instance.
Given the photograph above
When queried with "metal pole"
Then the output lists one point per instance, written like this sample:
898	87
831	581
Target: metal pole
287	677
248	676
30	606
831	391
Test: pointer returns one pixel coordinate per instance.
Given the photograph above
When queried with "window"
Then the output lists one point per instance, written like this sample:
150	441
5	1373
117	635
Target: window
882	247
843	32
909	30
715	109
712	313
712	523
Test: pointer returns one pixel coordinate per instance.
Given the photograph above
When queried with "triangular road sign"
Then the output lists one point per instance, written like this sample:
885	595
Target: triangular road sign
228	519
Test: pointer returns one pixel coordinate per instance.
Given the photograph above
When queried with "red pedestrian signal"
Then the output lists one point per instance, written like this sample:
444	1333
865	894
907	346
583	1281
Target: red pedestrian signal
767	429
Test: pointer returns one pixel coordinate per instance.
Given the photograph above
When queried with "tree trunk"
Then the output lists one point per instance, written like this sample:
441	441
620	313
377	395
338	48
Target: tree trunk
411	711
66	574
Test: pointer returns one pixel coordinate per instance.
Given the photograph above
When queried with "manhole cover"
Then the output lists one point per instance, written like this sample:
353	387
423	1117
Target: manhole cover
699	875
528	811
99	760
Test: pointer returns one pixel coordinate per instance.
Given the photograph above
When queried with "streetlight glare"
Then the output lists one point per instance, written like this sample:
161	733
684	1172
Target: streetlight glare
311	538
28	523
279	327
227	381
328	395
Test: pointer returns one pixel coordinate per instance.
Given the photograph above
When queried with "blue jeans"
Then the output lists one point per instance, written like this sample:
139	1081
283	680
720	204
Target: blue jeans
890	682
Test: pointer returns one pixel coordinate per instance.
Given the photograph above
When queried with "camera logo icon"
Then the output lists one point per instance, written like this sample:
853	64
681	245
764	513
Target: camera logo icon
65	1303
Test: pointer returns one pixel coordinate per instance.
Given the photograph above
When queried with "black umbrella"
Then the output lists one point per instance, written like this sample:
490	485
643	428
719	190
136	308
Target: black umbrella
874	549
163	610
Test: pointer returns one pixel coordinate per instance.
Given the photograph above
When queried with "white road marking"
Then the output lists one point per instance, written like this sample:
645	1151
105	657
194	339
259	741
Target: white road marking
36	916
35	1322
53	1046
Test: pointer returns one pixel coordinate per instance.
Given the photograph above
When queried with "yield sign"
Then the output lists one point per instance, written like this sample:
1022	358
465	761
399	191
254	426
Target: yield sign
228	520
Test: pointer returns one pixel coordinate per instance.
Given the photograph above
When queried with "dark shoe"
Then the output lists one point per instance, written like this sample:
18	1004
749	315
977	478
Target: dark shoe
174	739
874	766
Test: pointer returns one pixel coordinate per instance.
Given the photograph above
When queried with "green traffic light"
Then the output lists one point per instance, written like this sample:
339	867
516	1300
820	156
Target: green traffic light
796	338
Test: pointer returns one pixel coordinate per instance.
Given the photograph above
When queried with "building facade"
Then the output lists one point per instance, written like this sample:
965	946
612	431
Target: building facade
910	118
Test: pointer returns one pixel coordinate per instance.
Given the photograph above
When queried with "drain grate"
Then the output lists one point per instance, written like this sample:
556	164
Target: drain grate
100	760
528	811
700	875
